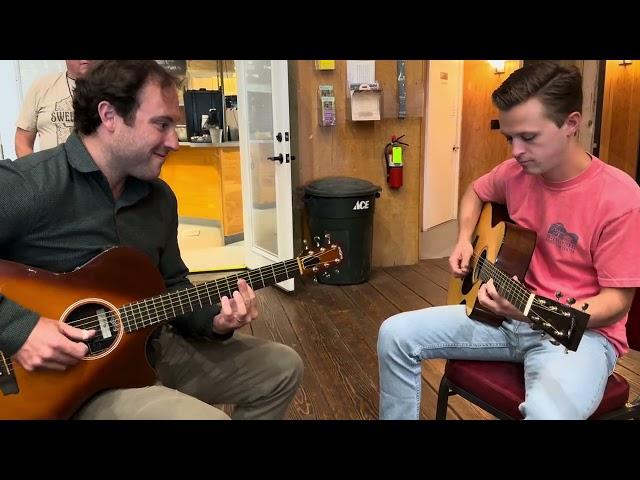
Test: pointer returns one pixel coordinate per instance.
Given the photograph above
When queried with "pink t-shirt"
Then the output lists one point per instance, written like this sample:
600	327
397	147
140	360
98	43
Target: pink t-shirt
588	230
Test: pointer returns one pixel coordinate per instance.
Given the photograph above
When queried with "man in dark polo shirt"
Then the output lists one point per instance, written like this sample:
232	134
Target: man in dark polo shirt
61	207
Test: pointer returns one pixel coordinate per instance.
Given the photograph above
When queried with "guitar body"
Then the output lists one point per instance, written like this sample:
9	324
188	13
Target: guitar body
114	278
504	243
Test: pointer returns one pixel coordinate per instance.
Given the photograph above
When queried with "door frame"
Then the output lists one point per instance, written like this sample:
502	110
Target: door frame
456	167
256	256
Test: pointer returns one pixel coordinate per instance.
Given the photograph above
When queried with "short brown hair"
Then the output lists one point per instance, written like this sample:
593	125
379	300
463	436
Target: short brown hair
558	88
119	82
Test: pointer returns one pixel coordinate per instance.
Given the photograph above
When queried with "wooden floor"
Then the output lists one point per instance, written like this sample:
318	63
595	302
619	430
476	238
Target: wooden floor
335	330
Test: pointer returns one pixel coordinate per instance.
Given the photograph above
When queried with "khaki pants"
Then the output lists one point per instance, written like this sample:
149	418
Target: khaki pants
258	376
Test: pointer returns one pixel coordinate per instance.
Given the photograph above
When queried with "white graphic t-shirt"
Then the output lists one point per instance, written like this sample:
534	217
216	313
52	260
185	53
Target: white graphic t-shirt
48	109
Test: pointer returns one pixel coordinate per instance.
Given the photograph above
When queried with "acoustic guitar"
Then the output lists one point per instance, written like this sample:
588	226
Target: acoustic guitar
502	249
121	295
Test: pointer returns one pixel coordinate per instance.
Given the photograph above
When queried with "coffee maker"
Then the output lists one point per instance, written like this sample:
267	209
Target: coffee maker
203	109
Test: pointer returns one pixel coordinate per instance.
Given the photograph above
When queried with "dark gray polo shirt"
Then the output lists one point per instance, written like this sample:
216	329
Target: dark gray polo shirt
57	212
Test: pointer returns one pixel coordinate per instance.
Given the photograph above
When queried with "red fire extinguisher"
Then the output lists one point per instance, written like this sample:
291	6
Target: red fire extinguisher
393	161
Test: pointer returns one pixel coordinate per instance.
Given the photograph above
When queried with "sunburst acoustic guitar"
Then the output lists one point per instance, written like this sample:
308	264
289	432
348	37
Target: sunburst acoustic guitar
121	295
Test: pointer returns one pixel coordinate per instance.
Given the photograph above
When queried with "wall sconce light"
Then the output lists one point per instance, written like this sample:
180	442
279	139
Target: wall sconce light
624	62
497	65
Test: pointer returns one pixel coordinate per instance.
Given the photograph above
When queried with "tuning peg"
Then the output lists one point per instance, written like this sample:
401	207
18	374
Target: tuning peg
571	301
327	275
558	294
317	240
585	306
327	236
315	279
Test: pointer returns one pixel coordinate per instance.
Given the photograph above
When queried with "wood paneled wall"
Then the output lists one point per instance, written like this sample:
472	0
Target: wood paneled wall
355	149
620	128
481	148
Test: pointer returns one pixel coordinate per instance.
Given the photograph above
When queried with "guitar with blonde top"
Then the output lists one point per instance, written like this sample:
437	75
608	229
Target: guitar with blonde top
502	250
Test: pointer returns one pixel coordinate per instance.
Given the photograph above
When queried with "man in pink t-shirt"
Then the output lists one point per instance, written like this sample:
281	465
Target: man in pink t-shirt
585	214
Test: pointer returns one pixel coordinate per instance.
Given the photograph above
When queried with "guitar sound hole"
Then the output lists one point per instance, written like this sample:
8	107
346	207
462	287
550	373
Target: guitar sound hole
94	316
468	280
467	283
472	276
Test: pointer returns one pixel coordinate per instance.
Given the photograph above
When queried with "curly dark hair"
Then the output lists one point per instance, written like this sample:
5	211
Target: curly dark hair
558	88
118	82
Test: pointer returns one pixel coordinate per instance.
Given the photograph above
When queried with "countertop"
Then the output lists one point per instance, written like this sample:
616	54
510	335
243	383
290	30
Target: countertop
210	145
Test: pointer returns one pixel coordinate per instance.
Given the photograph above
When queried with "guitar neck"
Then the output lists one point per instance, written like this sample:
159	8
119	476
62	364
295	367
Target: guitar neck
151	311
507	287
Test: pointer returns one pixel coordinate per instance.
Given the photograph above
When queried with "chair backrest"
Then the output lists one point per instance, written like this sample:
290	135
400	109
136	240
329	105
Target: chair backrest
633	323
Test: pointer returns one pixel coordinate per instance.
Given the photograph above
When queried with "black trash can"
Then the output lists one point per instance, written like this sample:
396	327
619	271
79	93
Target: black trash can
343	207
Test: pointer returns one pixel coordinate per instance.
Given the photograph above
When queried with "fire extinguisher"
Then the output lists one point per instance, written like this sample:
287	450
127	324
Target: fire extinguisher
393	161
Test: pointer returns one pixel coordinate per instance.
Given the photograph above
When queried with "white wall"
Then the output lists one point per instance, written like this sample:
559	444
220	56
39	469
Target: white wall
9	106
16	76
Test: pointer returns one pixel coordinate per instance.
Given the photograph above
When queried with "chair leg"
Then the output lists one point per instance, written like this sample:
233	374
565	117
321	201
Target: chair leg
443	399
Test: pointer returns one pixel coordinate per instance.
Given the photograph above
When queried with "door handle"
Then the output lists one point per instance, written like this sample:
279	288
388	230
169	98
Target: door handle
279	158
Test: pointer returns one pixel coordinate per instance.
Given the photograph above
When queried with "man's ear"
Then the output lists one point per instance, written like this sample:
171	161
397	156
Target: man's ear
572	124
108	115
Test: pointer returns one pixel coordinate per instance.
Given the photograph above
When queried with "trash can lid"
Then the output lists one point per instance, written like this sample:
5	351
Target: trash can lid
341	187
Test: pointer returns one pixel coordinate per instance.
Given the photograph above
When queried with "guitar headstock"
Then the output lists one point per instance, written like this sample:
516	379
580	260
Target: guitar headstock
321	257
562	322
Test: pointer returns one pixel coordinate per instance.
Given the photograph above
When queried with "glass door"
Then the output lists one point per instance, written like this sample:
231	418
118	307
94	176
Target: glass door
263	108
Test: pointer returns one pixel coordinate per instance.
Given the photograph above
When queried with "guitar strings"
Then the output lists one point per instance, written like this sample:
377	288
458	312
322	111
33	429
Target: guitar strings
523	294
281	268
177	298
187	297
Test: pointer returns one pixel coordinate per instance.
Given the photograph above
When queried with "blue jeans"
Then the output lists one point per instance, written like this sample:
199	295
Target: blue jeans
558	385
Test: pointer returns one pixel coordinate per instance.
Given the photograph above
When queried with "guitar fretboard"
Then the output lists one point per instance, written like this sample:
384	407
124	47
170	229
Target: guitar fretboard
507	287
143	313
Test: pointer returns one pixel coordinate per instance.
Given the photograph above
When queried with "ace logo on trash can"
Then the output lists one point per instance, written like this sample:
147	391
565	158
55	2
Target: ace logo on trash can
361	205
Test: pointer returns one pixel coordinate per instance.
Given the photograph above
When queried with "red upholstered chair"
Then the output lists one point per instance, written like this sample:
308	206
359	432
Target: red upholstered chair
498	387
